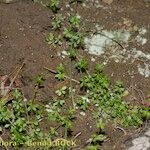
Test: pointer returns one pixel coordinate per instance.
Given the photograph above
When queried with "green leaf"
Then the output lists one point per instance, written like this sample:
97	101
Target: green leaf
82	65
98	138
74	20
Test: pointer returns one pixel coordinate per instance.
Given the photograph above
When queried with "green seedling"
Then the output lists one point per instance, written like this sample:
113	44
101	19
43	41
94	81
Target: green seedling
51	39
92	147
81	65
82	103
53	132
100	124
68	33
62	91
60	72
17	131
72	53
74	21
71	112
5	116
16	117
39	80
108	100
54	113
98	68
98	138
54	5
75	39
17	95
32	107
56	23
146	113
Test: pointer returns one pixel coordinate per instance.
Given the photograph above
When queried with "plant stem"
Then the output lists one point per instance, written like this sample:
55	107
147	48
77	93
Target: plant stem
72	96
54	72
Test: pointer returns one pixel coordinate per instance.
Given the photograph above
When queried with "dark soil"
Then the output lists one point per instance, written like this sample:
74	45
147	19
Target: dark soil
23	28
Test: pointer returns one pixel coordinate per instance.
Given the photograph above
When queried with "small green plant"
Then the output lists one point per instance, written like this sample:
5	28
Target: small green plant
51	39
146	113
98	138
108	100
81	65
75	38
39	80
5	114
17	130
17	104
72	53
32	107
92	147
98	68
74	21
54	113
60	72
100	124
82	103
62	91
53	132
53	109
54	5
56	23
16	118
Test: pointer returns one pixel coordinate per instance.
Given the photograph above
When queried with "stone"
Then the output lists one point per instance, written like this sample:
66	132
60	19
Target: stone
140	142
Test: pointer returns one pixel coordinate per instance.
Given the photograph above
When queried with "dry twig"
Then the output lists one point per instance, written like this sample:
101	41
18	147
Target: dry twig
121	130
13	80
54	72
